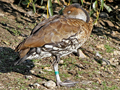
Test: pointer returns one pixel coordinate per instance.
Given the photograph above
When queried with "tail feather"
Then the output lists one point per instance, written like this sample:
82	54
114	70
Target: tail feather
20	46
20	60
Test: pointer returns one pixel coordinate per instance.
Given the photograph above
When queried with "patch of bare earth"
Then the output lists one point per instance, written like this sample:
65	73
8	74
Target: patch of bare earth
99	71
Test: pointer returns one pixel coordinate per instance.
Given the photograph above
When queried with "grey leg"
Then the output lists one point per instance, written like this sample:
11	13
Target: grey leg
67	83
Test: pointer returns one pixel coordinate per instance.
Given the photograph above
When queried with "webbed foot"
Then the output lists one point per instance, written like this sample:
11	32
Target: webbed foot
67	83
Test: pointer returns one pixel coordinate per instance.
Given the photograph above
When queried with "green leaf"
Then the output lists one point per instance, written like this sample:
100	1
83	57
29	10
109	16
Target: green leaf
50	8
19	2
91	12
107	8
102	4
28	1
94	5
34	8
41	2
34	1
82	2
60	12
43	7
24	3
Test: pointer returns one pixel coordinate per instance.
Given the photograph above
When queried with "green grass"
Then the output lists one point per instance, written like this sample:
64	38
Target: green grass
13	31
86	62
81	72
78	89
105	87
109	49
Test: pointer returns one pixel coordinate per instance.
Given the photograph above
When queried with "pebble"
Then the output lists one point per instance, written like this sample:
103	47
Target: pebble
28	77
98	54
61	62
50	84
30	13
28	66
1	86
20	37
47	68
1	14
116	52
101	37
109	23
88	89
114	61
103	15
81	54
81	77
36	85
41	72
32	71
100	46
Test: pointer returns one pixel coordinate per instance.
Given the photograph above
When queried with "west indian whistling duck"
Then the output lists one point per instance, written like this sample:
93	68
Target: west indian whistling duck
57	36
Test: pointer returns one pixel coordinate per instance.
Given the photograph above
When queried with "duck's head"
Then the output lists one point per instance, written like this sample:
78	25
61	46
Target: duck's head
76	11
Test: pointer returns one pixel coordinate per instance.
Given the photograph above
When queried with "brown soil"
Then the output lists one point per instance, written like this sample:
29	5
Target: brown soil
93	73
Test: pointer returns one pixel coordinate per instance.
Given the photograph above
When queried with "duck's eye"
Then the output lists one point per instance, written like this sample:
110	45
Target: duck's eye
69	12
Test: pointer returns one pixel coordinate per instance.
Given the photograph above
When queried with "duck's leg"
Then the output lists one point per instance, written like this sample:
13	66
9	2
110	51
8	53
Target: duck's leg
67	83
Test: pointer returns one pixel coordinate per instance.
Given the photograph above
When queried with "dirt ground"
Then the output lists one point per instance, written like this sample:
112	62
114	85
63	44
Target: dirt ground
92	72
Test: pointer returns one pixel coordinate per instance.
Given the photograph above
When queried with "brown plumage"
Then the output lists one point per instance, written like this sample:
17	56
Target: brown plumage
57	36
54	32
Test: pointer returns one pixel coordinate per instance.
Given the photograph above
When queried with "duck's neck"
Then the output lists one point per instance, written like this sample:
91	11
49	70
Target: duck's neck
84	16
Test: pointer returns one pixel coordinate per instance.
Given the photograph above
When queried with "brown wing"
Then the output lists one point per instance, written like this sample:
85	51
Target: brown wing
53	32
41	24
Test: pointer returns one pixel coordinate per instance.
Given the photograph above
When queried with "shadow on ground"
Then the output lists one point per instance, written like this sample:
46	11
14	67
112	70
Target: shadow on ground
7	58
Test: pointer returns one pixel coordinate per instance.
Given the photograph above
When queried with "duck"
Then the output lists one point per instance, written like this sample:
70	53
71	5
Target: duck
57	36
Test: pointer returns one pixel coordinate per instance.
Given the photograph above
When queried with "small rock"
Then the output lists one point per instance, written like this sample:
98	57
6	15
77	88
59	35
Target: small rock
44	15
26	27
28	66
81	66
28	77
88	89
19	37
100	46
81	77
5	42
99	80
114	62
72	72
81	54
1	86
101	23
30	13
50	84
109	23
36	85
114	33
1	14
32	71
98	54
105	62
103	15
101	37
61	62
41	72
116	52
47	68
